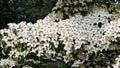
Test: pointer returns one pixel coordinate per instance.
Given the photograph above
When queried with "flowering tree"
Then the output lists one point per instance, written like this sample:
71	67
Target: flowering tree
77	33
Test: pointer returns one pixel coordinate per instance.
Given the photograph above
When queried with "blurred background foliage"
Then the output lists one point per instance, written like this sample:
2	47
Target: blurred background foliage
24	10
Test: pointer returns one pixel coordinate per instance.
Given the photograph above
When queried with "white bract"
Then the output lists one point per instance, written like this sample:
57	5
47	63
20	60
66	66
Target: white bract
76	63
7	63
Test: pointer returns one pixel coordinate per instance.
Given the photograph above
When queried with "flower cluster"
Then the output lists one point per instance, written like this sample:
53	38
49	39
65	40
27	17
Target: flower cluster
7	63
117	62
58	40
112	30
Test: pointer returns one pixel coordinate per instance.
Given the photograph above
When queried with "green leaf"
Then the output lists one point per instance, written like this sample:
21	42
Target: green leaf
6	50
3	44
5	34
14	31
52	45
11	1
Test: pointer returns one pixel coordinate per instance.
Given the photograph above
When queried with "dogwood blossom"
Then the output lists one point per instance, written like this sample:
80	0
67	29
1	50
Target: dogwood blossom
112	30
7	63
93	31
76	63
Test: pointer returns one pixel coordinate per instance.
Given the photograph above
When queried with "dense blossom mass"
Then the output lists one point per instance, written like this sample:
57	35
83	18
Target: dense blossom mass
93	31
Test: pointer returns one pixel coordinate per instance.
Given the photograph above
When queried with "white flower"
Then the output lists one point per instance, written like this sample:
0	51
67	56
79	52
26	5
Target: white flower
76	63
17	54
117	62
7	63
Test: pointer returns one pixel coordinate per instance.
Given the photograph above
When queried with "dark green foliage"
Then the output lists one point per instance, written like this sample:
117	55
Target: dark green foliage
104	58
99	24
4	50
20	46
24	10
49	64
31	56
